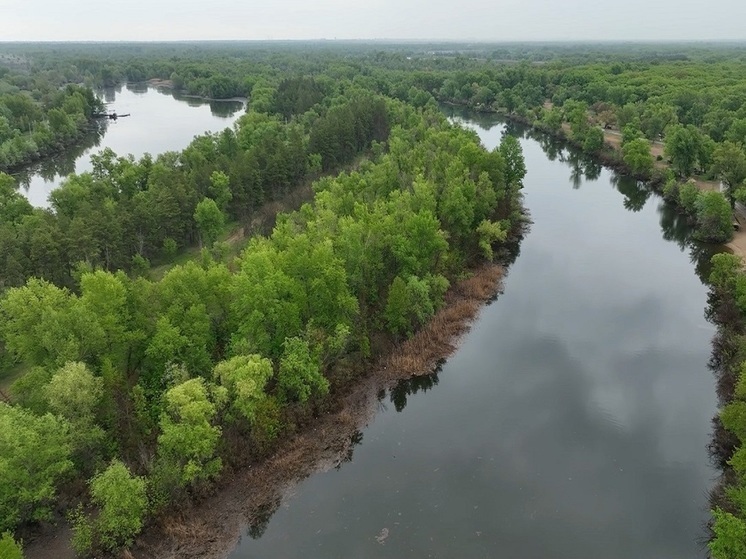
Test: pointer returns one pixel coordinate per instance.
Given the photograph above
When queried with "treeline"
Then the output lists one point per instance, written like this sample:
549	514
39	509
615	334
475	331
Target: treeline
149	389
126	213
37	123
727	309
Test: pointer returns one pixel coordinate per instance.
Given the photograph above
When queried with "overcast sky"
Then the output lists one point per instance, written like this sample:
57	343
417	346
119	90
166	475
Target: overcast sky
496	20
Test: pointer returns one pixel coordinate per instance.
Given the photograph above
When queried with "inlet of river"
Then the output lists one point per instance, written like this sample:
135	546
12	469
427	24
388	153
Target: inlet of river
159	121
573	421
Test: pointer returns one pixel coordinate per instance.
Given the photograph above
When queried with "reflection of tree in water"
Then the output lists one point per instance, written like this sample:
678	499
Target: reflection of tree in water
137	87
635	193
676	227
355	439
63	164
516	129
261	514
411	386
260	518
225	109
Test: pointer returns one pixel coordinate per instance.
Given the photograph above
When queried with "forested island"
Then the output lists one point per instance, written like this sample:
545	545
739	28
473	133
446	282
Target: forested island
160	326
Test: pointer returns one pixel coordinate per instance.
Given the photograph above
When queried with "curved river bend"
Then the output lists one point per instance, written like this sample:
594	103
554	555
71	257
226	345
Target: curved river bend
159	121
571	424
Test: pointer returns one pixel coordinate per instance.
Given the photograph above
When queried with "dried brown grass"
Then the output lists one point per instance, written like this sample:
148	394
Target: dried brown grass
438	339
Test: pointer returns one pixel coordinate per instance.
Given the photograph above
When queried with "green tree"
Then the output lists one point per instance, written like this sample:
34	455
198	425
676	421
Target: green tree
245	377
682	147
730	165
123	503
210	221
188	441
75	394
730	536
637	156
34	457
593	140
714	218
220	189
515	166
9	549
300	373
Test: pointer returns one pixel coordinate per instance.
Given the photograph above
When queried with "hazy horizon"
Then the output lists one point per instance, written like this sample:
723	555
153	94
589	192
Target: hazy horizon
377	20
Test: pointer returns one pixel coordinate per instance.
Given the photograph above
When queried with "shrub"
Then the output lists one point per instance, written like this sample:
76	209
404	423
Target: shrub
714	218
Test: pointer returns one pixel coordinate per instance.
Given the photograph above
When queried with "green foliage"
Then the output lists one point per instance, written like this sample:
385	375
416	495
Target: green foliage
268	424
245	377
9	549
34	457
515	167
210	221
124	358
411	302
714	218
730	165
726	268
30	130
29	391
300	374
74	393
733	417
489	233
123	503
188	440
689	193
220	190
637	156
683	146
593	140
730	536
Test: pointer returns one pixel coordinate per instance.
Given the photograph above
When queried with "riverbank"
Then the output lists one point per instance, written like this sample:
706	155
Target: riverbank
610	155
92	125
168	84
209	529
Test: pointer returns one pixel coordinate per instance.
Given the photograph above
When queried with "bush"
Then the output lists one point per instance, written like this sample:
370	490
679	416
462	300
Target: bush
9	549
714	218
123	503
688	195
671	190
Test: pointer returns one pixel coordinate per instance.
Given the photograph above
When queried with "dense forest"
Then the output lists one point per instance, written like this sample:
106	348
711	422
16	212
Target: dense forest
137	391
148	388
41	112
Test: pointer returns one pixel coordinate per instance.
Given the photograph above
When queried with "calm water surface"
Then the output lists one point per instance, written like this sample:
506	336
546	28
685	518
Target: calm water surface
159	121
571	424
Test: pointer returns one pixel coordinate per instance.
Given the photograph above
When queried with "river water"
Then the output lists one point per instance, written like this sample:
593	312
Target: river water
159	121
573	421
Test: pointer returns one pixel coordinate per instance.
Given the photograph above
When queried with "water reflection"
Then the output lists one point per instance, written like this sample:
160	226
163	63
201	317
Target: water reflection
63	164
675	226
636	193
412	386
160	120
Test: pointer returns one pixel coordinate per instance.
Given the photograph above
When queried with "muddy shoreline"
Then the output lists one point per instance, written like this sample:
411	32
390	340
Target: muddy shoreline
211	529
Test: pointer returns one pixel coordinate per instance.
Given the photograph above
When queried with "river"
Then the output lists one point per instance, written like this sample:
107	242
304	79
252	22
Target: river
573	421
159	121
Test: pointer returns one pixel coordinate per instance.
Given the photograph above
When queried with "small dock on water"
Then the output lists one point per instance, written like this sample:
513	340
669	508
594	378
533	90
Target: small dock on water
111	116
